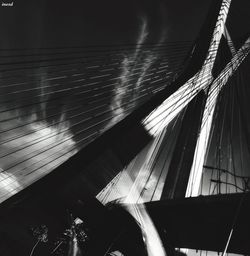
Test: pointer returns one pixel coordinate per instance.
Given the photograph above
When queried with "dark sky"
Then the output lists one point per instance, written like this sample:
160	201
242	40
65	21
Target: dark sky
44	23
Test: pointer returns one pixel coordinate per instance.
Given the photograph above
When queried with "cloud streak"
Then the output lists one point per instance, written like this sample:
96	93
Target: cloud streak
30	145
126	90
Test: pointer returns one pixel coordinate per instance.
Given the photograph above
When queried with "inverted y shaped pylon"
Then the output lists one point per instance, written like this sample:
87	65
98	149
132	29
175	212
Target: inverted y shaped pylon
212	95
162	115
158	119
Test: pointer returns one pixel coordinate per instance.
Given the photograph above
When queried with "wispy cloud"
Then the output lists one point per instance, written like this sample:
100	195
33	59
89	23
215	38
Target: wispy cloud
135	65
30	146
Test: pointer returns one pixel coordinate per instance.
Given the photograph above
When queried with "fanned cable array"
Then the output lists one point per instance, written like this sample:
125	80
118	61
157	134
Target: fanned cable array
54	101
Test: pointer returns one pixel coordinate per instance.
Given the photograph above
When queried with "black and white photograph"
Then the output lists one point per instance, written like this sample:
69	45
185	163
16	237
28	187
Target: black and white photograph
124	127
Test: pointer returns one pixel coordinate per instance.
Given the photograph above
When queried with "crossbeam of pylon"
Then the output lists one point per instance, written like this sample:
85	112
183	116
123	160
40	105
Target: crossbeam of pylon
213	92
162	115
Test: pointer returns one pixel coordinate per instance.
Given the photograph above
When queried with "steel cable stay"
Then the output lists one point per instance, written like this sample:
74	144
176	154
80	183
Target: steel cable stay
175	105
236	61
66	129
225	75
107	105
226	107
219	143
214	90
209	144
79	62
109	52
207	134
240	93
184	90
244	180
55	123
117	66
72	58
211	56
218	153
108	189
180	115
177	95
240	142
46	95
61	142
97	57
168	152
114	77
39	88
151	169
110	47
150	166
24	184
134	193
129	77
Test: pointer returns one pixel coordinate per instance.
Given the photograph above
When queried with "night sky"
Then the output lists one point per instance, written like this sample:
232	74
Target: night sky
78	23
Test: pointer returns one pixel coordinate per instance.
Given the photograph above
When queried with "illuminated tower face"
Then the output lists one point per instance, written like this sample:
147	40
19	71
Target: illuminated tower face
212	95
162	116
202	80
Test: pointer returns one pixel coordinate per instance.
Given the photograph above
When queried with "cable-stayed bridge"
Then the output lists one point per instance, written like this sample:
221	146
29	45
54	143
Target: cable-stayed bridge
74	121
